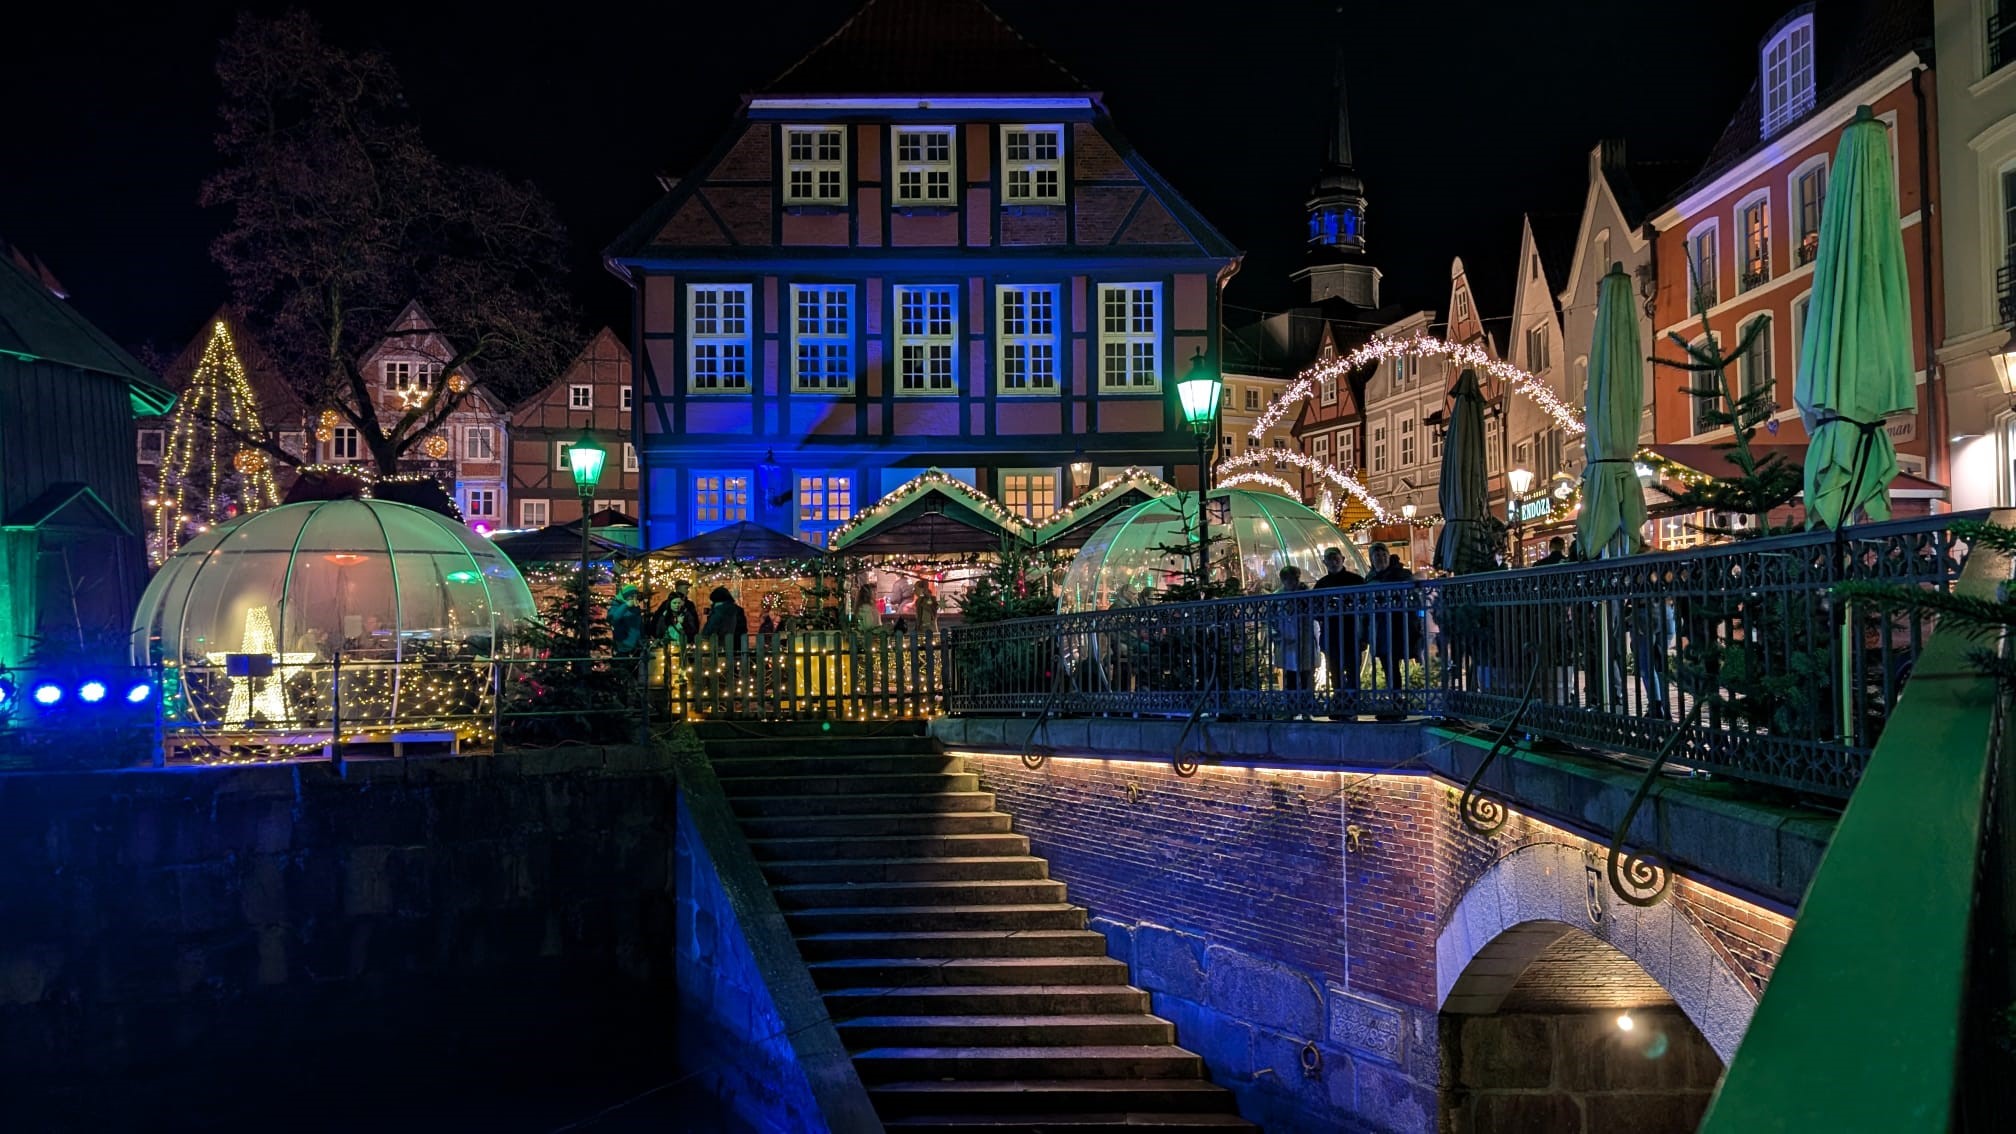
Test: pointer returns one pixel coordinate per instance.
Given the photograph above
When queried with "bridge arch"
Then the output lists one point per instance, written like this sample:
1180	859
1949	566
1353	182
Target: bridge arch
1527	901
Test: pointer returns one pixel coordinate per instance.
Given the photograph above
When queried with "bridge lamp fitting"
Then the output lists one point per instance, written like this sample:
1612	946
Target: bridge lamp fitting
1625	1023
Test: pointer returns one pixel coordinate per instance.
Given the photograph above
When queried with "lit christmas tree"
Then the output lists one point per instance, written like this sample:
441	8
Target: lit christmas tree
208	473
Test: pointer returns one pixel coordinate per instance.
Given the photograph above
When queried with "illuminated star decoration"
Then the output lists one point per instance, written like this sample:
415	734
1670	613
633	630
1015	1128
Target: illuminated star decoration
263	696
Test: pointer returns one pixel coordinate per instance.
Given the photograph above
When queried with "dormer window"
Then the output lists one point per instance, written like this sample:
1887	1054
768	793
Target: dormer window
1788	74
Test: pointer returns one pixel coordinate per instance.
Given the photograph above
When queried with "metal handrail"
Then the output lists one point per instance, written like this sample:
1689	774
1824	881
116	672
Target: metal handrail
1793	687
1885	934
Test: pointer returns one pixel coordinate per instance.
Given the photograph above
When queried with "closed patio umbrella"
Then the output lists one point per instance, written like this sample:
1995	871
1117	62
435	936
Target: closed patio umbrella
1613	502
1855	364
1465	497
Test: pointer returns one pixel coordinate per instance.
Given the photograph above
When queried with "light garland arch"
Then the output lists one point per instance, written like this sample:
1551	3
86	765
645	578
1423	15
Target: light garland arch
1381	348
1265	480
1234	466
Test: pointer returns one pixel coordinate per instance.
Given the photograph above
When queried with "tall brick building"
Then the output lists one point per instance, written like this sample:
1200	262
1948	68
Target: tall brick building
926	244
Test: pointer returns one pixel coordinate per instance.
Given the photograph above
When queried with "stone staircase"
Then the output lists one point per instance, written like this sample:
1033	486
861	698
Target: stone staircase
970	992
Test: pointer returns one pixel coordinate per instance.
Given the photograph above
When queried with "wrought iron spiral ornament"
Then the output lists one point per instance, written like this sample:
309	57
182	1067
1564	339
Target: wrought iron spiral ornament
1482	811
1035	758
1639	877
1186	764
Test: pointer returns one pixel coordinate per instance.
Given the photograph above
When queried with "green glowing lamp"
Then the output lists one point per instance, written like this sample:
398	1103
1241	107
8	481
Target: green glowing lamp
1199	392
585	457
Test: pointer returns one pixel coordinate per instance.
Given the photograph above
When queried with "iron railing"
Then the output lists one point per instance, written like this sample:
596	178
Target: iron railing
1793	686
835	675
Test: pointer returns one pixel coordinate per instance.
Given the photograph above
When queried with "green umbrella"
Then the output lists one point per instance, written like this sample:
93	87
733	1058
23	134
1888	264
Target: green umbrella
1855	365
1613	503
1465	545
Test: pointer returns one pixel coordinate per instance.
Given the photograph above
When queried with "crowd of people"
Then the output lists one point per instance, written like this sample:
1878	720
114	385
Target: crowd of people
1343	641
679	621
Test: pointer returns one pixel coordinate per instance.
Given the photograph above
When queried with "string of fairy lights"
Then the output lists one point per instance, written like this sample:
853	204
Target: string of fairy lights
207	477
931	478
1380	348
1264	480
1282	458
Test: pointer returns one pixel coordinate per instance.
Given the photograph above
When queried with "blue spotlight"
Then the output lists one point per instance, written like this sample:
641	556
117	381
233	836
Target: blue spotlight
92	692
140	692
48	693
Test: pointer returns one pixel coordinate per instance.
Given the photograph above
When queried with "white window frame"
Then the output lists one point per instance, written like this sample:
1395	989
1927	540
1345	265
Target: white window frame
1697	406
823	338
624	396
1327	390
1769	357
1378	446
816	521
1137	337
629	457
1022	177
1791	92
1710	280
720	337
1793	205
1760	200
726	485
1347	451
580	396
1030	508
926	338
336	446
560	456
159	448
397	374
1538	357
1405	433
815	161
1494	446
1462	305
1399	371
1252	402
489	497
1434	443
426	375
1319	447
1801	309
1034	346
488	433
1601	241
535	513
920	169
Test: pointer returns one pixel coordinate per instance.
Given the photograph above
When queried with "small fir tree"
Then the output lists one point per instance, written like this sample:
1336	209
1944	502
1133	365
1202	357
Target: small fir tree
575	690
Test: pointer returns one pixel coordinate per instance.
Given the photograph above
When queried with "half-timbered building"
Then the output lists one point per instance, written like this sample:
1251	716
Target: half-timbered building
591	396
926	244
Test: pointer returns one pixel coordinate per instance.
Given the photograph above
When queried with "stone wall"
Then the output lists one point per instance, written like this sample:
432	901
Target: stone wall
1576	1073
1234	896
242	924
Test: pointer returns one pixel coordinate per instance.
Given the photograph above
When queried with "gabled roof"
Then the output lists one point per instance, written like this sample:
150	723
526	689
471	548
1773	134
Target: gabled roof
77	503
946	47
1853	40
1554	238
35	325
604	346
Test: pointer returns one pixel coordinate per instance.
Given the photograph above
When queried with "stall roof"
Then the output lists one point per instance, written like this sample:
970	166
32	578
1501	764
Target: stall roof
560	543
740	541
1073	524
932	514
1714	461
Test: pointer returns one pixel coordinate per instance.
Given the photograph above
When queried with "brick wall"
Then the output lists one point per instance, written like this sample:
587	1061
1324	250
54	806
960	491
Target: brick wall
1576	1073
225	927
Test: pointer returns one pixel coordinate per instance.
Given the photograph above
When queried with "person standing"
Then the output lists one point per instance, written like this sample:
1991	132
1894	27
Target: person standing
1341	648
1390	630
678	619
927	610
1556	553
866	617
727	623
1294	634
626	620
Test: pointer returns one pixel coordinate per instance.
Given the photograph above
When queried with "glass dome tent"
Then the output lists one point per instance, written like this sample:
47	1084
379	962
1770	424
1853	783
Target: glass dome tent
370	580
1133	554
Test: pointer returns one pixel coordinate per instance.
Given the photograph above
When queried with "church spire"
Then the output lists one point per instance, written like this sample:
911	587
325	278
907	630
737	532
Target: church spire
1340	132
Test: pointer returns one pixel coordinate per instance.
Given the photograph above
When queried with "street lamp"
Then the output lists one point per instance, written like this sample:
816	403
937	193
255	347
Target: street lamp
1199	392
1521	482
2004	360
585	459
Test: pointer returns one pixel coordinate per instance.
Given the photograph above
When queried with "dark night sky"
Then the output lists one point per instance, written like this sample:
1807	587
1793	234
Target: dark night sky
1462	122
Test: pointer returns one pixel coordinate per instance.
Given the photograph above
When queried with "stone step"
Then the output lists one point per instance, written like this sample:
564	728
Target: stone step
1059	1030
828	748
890	846
852	803
1049	1123
1117	1061
818	762
861	871
1052	1096
955	943
880	825
833	782
947	972
987	1000
871	919
826	895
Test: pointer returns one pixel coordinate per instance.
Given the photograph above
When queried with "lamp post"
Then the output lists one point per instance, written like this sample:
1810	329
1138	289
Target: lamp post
1199	392
585	459
1521	482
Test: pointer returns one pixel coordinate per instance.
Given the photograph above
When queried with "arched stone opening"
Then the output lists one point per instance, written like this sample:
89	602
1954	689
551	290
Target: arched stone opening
1552	1031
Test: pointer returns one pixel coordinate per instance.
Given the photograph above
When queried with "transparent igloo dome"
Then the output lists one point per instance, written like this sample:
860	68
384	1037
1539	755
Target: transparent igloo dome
371	580
1130	557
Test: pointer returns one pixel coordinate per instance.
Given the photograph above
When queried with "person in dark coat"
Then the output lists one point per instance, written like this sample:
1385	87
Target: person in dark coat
677	618
1341	648
727	623
626	620
1391	632
1556	553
